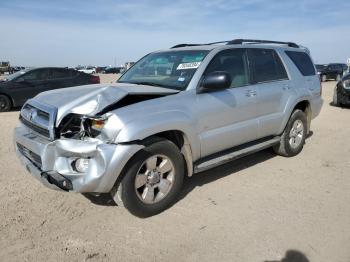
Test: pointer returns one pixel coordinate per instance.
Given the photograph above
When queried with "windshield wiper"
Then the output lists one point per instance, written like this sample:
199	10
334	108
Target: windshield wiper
147	84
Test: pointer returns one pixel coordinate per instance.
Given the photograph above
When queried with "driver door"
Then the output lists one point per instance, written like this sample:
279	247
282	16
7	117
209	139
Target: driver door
228	118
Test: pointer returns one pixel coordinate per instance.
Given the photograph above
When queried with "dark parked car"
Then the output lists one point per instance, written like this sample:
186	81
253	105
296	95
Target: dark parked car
112	70
331	71
341	94
17	88
100	69
15	69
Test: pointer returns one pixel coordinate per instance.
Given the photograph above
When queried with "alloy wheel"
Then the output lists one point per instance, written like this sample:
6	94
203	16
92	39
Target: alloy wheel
154	179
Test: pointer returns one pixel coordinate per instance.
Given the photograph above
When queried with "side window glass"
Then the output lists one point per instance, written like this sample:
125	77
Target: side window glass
233	62
303	62
59	73
74	73
266	65
35	75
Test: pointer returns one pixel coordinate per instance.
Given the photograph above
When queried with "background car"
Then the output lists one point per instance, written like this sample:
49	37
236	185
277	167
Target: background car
333	71
88	70
15	69
4	67
112	70
100	69
341	94
17	88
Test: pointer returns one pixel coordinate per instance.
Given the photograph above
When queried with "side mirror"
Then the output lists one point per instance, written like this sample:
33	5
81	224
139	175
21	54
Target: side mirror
215	81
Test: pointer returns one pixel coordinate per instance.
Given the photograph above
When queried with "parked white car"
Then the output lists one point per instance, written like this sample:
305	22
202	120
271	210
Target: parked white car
88	70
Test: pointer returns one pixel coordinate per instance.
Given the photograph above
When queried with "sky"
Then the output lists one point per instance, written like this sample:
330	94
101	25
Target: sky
111	32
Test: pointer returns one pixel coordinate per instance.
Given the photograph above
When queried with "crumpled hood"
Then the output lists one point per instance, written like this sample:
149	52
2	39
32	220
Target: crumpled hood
91	99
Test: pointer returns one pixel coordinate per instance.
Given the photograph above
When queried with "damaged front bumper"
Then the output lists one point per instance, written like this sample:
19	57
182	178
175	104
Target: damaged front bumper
52	162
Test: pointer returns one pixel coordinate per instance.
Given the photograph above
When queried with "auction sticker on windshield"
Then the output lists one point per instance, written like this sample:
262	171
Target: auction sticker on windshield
192	65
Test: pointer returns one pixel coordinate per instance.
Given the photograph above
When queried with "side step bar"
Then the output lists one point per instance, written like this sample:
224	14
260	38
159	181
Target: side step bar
235	153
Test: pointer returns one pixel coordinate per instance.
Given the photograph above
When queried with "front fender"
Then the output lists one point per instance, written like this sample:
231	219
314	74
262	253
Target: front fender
142	128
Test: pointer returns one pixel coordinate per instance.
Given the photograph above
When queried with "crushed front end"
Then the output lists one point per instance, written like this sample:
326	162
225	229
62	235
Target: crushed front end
76	155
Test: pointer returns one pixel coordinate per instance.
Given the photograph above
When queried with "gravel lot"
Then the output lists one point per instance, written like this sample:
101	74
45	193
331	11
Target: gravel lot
260	208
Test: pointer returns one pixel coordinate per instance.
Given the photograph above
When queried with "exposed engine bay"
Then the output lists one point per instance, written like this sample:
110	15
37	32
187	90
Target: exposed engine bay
76	126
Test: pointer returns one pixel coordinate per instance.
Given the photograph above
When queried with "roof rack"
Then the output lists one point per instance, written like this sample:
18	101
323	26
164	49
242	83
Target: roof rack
184	45
242	41
253	41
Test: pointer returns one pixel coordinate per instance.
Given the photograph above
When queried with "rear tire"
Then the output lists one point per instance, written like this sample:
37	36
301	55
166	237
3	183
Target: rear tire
152	180
5	103
293	137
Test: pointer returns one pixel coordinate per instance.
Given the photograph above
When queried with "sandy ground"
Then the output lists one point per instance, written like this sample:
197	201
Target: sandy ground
255	209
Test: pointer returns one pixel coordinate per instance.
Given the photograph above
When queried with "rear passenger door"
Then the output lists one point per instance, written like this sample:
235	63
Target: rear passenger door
227	118
273	89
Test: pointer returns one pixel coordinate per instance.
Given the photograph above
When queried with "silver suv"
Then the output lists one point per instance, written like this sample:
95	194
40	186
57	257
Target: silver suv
176	112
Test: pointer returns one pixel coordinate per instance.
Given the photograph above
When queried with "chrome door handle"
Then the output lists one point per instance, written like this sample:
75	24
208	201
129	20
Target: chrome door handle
250	93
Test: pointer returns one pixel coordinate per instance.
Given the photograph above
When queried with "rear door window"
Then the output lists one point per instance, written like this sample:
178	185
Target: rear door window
266	65
74	73
58	73
303	62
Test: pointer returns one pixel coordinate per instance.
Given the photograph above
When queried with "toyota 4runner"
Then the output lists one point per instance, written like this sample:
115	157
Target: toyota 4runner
174	113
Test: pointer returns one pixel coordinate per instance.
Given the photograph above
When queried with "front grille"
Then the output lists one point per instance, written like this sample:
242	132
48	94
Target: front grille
40	118
33	157
38	129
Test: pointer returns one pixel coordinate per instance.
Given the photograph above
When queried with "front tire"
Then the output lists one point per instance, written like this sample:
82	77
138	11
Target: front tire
336	98
152	180
293	137
5	103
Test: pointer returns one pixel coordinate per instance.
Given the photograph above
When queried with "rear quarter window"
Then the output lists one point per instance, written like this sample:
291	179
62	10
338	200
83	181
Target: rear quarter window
303	62
60	73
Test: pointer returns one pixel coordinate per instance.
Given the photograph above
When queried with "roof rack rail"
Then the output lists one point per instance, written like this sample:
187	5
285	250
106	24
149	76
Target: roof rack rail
213	43
253	41
184	45
240	42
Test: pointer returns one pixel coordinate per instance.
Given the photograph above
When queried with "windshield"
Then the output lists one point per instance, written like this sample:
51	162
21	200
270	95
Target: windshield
15	75
173	69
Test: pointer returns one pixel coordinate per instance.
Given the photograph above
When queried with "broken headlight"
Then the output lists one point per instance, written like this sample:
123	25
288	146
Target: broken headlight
93	126
78	126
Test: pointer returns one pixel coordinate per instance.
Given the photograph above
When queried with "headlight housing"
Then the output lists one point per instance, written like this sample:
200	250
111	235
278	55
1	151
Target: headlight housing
79	126
346	84
93	125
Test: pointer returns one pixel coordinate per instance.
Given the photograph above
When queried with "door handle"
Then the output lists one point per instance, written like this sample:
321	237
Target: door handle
250	93
286	87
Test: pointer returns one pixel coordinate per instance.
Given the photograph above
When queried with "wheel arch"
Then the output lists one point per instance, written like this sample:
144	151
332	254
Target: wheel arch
181	140
303	105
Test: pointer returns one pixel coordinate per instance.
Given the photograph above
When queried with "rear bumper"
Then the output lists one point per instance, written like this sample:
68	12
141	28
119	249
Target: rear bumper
55	170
